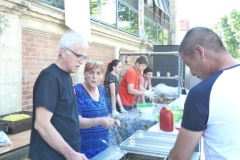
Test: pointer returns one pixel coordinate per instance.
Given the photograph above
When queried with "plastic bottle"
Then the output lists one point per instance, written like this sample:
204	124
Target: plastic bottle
166	120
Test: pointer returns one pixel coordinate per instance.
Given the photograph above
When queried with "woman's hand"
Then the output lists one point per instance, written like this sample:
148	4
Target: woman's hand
115	113
123	110
117	123
106	122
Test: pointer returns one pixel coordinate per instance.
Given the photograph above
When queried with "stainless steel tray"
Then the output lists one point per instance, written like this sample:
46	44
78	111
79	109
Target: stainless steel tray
148	134
152	143
156	147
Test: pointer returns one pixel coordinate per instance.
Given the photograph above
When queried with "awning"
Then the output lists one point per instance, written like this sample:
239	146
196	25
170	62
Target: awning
163	5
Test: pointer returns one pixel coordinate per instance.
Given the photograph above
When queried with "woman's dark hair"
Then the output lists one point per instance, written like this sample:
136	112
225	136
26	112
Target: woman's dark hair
110	65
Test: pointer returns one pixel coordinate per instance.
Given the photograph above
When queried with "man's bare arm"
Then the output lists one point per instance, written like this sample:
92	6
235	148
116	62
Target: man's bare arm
52	137
131	90
185	144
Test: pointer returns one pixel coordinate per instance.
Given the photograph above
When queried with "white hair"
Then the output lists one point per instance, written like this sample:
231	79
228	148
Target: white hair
68	39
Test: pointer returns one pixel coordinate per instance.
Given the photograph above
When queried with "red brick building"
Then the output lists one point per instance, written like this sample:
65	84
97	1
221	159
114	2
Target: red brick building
29	35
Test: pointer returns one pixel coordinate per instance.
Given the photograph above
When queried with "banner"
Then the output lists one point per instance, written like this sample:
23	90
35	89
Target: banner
77	17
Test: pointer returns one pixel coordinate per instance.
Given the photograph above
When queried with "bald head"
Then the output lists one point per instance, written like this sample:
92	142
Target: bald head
203	37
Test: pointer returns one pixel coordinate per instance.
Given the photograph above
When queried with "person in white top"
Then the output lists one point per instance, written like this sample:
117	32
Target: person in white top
212	107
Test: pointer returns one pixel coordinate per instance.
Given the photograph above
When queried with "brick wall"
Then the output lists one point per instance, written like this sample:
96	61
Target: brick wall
38	52
129	64
102	53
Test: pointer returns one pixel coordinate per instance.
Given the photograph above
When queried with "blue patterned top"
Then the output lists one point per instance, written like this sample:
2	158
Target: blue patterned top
89	108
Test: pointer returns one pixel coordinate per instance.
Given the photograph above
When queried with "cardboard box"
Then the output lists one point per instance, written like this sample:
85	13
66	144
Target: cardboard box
20	125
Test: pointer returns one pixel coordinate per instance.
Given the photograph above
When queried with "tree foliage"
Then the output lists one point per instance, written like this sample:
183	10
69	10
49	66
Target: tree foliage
128	16
95	6
125	14
229	30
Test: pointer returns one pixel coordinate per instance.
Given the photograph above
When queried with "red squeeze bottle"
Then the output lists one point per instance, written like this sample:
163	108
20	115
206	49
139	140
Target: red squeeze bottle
166	120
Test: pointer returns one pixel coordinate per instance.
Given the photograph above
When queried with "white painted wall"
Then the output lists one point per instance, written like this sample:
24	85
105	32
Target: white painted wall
11	66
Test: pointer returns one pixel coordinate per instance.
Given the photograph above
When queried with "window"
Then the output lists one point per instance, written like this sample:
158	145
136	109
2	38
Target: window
56	3
165	37
132	3
124	16
150	28
127	18
166	7
158	15
104	11
149	12
160	35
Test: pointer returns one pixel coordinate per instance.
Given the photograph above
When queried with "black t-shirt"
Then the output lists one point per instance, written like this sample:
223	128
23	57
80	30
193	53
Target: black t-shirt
110	79
53	89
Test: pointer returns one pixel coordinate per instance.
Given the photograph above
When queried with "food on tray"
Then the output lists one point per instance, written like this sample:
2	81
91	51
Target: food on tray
164	100
15	117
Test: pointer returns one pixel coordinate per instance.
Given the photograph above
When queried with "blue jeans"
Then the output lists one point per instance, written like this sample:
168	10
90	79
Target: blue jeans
127	108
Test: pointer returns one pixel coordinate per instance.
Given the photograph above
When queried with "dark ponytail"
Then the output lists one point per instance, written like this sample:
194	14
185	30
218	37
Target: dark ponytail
110	66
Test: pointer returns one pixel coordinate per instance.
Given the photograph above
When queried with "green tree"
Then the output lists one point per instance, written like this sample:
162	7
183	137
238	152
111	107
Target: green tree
126	14
95	6
229	30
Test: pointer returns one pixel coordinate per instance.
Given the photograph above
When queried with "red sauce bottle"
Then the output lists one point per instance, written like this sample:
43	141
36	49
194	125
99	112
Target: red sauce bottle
166	120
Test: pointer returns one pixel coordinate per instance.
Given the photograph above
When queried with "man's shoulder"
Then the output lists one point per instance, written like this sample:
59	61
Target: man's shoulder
131	71
52	73
49	70
205	86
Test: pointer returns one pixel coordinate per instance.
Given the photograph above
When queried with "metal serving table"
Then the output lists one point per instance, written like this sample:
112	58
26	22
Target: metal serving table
153	144
142	145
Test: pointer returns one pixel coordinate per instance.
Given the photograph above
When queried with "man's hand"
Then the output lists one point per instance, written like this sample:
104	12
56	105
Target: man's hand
77	156
81	156
115	113
150	94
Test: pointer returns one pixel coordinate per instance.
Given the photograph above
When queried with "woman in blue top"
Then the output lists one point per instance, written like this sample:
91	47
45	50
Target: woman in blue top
111	85
92	110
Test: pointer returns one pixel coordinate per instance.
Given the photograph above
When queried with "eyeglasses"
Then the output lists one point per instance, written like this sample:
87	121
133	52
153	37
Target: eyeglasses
79	56
95	62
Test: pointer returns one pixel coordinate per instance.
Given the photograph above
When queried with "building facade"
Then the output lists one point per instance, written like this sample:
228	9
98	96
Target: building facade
30	31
